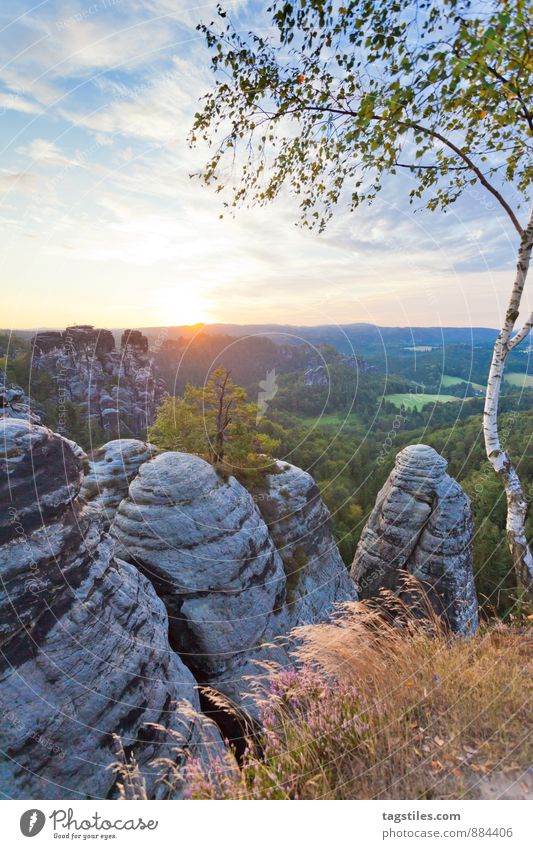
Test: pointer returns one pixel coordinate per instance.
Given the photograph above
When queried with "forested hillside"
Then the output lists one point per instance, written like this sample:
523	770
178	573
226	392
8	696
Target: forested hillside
344	419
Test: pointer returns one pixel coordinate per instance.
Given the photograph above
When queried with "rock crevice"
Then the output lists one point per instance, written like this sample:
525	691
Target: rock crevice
84	637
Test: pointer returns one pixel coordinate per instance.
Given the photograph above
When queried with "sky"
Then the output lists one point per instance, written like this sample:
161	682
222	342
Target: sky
102	224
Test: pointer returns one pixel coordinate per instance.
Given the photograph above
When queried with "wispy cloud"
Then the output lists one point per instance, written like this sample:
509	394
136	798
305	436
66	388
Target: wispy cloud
18	182
98	100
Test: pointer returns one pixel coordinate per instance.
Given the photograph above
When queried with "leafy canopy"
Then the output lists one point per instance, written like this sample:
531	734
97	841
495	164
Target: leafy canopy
217	422
336	96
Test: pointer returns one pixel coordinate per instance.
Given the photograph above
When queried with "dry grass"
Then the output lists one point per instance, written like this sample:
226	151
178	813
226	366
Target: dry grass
385	708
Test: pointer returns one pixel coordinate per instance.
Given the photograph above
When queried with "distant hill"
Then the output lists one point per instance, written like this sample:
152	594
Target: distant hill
359	337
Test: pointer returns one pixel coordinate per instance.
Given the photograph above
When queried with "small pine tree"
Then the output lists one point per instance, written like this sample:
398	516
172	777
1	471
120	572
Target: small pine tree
217	422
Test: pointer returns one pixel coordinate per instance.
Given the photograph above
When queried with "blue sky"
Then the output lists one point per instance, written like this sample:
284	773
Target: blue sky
101	222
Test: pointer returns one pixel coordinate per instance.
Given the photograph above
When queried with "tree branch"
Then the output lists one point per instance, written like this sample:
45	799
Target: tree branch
473	167
522	334
413	125
518	95
430	167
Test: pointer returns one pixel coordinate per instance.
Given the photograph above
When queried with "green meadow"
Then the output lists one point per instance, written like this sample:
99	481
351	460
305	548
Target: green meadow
450	380
517	378
417	402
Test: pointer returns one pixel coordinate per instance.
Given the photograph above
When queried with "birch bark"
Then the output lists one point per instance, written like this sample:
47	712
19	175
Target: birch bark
499	458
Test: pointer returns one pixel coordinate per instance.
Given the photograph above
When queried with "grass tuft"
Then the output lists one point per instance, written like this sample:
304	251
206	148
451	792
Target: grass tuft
381	706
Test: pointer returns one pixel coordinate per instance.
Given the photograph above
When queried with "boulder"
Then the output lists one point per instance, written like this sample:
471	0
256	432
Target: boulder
421	524
40	475
110	470
84	638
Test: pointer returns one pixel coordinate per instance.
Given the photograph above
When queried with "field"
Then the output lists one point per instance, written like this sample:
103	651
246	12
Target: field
450	380
516	378
416	402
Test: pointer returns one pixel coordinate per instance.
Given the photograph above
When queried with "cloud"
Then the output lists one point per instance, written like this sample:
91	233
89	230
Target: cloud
159	108
11	101
66	39
45	152
112	88
23	182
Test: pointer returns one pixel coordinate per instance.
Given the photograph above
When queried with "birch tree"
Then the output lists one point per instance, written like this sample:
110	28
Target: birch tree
330	99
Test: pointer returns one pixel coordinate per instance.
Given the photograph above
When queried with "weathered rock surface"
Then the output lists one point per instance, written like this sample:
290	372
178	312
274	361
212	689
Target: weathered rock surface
14	403
422	524
299	524
204	545
40	476
110	470
114	390
78	336
85	652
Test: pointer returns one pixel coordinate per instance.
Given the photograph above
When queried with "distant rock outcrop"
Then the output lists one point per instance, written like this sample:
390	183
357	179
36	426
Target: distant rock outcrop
115	391
110	470
134	338
203	543
85	653
79	337
323	365
317	376
421	524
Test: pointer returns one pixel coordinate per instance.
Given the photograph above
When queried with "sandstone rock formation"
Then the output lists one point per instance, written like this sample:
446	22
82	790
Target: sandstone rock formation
317	376
14	403
134	338
85	652
422	524
110	470
78	336
300	527
115	391
204	545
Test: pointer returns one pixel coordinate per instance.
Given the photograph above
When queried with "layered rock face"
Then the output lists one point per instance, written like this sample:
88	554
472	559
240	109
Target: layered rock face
14	403
114	390
110	470
85	651
206	548
300	527
77	336
422	524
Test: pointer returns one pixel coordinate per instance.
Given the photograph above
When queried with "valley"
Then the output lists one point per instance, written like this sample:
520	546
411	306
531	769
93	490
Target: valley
344	425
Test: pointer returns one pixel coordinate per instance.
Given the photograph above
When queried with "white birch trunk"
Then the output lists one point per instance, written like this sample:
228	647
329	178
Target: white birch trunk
500	460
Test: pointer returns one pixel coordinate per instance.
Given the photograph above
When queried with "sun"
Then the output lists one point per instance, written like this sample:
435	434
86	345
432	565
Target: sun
180	305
